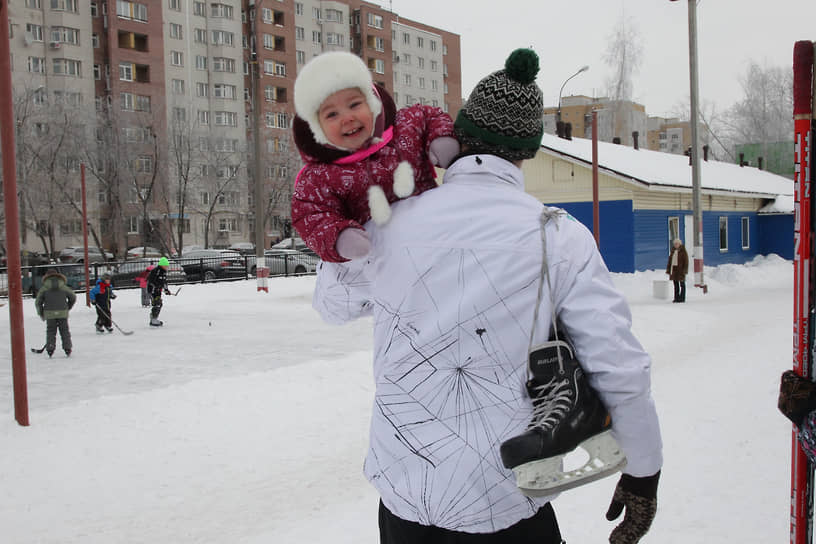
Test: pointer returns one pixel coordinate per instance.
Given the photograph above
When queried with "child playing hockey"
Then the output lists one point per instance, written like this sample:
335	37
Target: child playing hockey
156	285
360	154
54	300
101	296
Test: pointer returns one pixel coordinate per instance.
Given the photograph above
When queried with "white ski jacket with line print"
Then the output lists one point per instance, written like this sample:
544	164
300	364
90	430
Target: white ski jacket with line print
451	283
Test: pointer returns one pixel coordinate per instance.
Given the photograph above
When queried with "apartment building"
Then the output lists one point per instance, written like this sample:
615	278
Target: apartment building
168	97
617	119
669	135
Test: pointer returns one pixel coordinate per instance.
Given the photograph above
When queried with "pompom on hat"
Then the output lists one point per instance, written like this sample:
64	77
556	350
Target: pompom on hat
323	76
504	114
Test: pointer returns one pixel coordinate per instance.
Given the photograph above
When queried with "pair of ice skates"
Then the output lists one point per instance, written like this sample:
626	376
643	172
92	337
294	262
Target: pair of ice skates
567	414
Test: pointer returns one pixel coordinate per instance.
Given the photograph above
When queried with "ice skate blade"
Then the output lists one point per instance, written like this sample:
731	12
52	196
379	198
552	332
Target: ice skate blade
547	476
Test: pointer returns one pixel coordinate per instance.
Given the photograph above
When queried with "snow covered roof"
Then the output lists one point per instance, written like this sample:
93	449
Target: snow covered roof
656	169
782	205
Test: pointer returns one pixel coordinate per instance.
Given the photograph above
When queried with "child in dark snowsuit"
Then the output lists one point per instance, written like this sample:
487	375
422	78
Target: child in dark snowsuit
101	296
156	284
54	300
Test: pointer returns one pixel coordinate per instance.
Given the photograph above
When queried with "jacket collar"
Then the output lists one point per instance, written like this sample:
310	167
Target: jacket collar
484	169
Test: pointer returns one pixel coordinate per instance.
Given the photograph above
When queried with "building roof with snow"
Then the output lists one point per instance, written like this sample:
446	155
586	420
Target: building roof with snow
664	170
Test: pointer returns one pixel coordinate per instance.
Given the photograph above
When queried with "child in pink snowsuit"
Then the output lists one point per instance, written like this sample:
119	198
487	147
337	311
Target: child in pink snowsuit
360	154
142	279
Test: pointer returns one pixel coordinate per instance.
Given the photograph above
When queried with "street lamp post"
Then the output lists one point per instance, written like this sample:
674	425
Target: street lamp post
581	70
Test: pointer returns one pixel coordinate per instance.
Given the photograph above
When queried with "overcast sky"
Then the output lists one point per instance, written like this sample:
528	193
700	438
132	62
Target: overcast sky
568	34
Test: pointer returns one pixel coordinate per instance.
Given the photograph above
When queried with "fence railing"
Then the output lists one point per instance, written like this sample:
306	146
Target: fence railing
124	274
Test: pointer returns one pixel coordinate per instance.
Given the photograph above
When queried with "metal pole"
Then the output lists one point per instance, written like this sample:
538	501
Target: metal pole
15	279
85	237
596	216
261	271
580	70
697	209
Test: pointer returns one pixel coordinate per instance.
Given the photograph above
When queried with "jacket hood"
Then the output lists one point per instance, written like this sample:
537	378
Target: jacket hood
57	275
312	151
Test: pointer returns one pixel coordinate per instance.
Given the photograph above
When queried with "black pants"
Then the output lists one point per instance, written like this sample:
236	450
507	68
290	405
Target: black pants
51	328
542	528
679	291
156	303
103	317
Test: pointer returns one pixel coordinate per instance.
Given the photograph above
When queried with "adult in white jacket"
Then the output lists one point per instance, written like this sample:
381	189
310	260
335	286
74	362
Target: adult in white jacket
452	283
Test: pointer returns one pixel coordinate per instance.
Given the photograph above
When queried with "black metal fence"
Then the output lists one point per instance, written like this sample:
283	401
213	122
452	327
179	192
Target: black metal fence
125	274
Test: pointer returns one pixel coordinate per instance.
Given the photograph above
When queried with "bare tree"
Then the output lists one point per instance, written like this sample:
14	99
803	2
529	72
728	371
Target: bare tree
624	54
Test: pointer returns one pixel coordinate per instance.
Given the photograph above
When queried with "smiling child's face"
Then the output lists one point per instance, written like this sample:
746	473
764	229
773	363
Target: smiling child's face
346	119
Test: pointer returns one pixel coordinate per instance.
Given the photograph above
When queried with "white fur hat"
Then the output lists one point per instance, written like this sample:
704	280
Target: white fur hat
323	76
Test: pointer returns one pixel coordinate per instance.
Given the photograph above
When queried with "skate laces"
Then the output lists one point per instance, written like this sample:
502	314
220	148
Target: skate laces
550	404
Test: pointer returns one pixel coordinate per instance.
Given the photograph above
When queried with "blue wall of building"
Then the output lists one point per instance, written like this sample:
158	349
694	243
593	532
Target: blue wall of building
639	239
617	230
776	235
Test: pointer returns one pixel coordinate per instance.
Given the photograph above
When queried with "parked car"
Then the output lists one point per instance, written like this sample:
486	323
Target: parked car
33	277
211	264
286	243
77	255
27	258
140	252
187	249
125	274
285	262
244	248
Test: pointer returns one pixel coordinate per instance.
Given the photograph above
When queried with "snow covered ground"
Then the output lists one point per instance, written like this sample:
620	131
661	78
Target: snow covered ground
244	420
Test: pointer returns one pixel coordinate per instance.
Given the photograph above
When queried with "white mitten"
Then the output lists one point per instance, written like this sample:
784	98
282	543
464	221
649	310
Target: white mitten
352	243
443	150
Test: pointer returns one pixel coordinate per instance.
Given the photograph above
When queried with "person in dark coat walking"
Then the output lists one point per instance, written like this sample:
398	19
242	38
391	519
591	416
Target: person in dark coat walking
156	285
54	301
677	268
101	296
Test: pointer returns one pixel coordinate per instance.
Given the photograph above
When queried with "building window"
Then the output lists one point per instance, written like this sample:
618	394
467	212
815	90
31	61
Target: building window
266	15
723	234
300	33
375	20
132	224
128	10
432	45
95	40
332	38
200	35
221	90
178	86
202	89
298	8
420	43
301	57
407	80
203	117
36	65
63	34
35	32
223	64
406	59
226	119
674	230
175	5
176	58
220	37
222	11
315	36
746	240
33	4
406	38
67	67
65	5
175	31
434	66
334	15
97	72
201	62
199	8
227	224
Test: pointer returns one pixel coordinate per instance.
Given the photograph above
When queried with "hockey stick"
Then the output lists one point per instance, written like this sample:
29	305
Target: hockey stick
36	350
801	521
126	333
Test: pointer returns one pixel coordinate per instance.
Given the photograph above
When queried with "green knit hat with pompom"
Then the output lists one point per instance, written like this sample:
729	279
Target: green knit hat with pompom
504	114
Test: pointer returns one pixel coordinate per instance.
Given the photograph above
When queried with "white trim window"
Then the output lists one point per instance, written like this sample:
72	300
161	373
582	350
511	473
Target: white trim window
223	64
201	62
64	5
67	67
127	10
203	117
221	11
178	86
222	37
723	234
745	224
36	65
225	119
222	90
176	31
200	35
176	58
35	31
